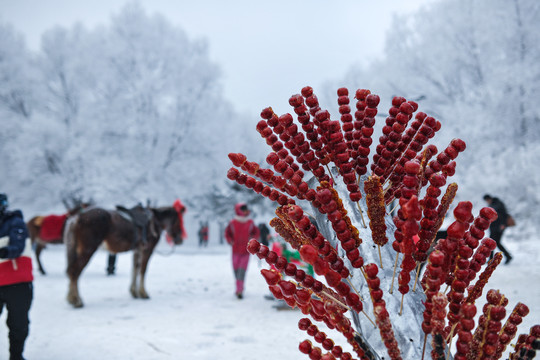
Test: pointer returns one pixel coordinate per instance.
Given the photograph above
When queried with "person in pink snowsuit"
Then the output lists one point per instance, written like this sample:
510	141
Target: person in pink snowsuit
237	233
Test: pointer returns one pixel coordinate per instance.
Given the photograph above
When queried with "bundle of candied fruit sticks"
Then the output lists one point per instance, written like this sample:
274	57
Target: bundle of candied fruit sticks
318	168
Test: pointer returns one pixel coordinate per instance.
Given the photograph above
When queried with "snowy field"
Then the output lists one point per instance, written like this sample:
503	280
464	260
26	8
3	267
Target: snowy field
192	313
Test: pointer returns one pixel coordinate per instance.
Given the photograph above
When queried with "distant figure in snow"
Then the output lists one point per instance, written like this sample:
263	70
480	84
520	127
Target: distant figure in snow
237	233
497	227
264	234
203	234
16	289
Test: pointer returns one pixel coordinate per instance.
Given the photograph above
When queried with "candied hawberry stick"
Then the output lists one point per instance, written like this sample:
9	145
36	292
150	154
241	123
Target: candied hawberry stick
376	212
412	214
465	335
476	291
437	323
382	318
509	329
527	345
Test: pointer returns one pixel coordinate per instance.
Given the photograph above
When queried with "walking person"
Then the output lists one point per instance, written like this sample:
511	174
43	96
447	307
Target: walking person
16	289
497	227
203	234
237	233
264	234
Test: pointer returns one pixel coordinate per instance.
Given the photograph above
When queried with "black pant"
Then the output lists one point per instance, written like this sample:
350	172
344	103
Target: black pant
497	235
111	262
17	298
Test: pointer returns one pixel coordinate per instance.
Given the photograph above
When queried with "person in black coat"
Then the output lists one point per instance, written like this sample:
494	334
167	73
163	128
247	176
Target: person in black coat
497	227
16	289
264	232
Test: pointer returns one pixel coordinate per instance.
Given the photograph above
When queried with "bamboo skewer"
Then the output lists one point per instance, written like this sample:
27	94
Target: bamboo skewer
416	277
361	215
380	257
424	346
356	291
394	275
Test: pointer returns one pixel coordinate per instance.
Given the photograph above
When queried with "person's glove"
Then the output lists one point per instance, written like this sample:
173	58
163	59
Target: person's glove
3	253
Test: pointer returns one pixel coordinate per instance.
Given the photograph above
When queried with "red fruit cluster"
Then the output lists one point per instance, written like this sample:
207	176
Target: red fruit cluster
404	163
320	146
437	325
366	106
480	256
333	278
412	213
307	347
346	117
379	310
396	138
411	143
427	225
338	147
456	233
476	290
346	233
280	159
306	152
259	187
444	160
509	329
375	209
527	345
465	335
442	210
387	151
433	280
410	188
460	273
486	337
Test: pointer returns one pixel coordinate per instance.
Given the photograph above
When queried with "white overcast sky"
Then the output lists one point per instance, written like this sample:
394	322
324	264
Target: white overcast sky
267	50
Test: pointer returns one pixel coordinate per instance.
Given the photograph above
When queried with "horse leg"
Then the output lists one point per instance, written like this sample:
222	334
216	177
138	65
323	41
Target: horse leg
142	272
135	272
77	259
145	257
38	249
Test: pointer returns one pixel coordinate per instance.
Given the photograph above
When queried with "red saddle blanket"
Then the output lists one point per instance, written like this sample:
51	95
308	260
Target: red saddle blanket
52	226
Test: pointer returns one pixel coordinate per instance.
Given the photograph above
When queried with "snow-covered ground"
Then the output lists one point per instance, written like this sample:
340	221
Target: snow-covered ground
193	313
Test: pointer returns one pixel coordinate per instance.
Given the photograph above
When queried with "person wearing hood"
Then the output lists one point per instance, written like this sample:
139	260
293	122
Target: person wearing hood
16	289
237	233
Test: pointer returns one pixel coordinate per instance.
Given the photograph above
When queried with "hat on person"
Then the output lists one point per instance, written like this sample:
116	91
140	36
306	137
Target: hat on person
241	209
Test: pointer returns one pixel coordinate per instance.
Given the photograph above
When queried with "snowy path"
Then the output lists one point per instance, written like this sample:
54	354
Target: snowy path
192	313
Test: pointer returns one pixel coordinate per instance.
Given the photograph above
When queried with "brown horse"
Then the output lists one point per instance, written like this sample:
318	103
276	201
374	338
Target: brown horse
48	229
120	231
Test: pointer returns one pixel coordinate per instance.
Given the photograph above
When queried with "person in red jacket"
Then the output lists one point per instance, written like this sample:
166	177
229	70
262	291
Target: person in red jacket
16	290
237	233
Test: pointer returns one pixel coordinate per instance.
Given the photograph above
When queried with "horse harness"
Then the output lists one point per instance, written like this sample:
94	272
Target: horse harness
141	218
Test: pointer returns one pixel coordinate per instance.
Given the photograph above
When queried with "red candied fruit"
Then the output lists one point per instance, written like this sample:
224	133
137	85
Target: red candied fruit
305	347
271	277
309	254
253	246
267	113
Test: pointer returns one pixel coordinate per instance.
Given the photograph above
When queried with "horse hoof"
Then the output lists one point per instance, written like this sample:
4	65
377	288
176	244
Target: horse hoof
78	305
75	302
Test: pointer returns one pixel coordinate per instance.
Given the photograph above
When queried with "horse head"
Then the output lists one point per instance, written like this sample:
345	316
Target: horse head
171	219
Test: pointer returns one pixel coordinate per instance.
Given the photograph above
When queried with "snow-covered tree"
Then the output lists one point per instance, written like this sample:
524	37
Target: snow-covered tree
472	65
130	111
